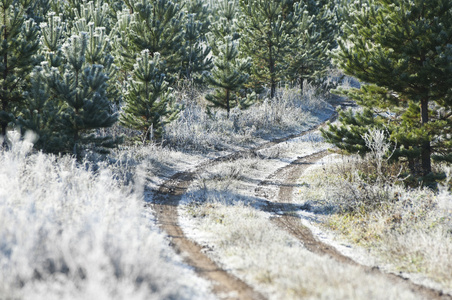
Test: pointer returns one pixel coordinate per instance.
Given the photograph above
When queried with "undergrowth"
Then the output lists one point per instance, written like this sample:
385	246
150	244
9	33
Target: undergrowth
201	129
408	228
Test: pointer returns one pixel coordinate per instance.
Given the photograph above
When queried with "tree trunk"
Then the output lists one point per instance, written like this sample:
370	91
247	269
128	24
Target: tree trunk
273	86
426	149
4	126
271	67
228	107
301	84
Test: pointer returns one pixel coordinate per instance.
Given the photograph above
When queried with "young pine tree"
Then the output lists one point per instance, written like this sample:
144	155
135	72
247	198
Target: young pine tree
314	36
148	100
78	94
201	12
40	113
156	26
95	20
228	76
267	37
402	48
196	57
224	22
18	48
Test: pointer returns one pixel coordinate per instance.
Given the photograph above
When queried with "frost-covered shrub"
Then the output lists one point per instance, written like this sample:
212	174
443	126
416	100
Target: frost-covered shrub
67	232
409	228
287	113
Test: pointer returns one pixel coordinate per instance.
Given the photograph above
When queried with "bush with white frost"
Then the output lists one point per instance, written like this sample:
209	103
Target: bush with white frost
410	229
67	232
285	114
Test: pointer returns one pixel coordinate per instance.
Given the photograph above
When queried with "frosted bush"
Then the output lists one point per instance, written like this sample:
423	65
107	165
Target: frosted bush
287	113
67	232
409	229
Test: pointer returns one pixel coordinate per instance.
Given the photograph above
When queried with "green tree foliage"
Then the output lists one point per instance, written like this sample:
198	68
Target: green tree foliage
81	91
224	23
94	19
402	48
267	29
18	48
122	45
228	77
38	9
196	57
39	114
201	12
315	34
96	13
154	25
69	99
148	101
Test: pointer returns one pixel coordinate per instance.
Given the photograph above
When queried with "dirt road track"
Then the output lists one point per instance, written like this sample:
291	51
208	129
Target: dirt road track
225	285
165	203
287	177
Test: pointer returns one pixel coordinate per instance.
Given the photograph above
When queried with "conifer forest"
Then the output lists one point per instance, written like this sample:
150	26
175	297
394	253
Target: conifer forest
225	149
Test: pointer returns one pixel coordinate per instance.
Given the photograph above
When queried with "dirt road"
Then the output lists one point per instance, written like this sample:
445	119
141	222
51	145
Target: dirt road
225	285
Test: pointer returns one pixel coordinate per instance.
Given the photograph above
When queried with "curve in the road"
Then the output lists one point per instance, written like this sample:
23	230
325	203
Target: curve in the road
165	203
288	176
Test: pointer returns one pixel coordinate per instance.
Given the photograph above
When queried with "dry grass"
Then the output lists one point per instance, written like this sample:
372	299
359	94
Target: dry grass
409	229
289	112
242	240
69	232
219	214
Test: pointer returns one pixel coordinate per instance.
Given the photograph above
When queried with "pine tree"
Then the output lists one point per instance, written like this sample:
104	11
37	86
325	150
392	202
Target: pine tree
149	100
195	53
314	36
124	57
267	37
224	22
18	48
95	20
77	99
97	14
228	76
40	114
157	26
403	49
38	9
201	12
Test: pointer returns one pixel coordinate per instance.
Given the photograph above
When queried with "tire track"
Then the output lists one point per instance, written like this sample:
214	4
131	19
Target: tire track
226	286
287	176
165	203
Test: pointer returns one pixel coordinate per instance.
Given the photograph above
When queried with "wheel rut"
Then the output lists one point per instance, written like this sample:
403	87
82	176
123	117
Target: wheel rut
165	203
224	284
286	178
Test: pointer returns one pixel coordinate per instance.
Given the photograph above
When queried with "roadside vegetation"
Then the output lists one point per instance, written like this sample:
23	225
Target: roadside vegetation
72	230
365	201
77	229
